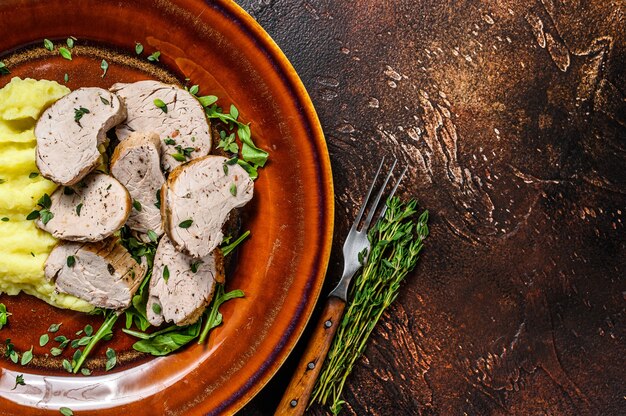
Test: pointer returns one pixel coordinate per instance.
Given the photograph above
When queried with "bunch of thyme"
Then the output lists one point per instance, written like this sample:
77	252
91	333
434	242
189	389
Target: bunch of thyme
396	242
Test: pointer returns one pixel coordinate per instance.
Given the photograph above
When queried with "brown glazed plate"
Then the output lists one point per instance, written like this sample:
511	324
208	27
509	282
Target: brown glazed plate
280	268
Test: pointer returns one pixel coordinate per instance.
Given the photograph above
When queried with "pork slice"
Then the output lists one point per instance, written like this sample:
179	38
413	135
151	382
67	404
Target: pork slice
136	164
102	273
197	199
180	295
183	124
69	132
90	211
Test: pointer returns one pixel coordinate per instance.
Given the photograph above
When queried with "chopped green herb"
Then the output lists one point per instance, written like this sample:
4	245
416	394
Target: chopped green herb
33	215
207	100
4	315
47	43
111	359
138	48
225	168
234	113
66	411
233	189
68	191
194	89
19	380
65	53
66	77
43	340
59	338
3	69
185	224
5	219
79	207
137	205
32	254
67	366
170	141
56	351
158	198
105	101
154	57
153	236
27	356
161	104
71	261
33	175
74	343
55	328
85	371
156	308
179	157
83	341
46	216
70	42
89	330
166	275
104	65
195	265
79	113
2	181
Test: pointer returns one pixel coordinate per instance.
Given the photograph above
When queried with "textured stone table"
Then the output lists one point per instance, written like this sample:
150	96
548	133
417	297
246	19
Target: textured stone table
512	116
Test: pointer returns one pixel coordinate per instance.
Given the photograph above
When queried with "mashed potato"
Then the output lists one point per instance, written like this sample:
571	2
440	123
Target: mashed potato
23	247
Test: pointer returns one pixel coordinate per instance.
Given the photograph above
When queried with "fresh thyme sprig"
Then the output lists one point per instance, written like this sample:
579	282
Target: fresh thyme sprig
396	242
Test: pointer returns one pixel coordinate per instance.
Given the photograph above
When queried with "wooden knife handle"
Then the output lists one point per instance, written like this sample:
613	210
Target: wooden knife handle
297	395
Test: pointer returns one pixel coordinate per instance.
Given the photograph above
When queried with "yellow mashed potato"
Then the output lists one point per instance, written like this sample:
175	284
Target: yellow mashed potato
23	247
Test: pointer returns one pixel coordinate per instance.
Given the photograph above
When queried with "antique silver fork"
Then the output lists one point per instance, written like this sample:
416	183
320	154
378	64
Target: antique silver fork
355	252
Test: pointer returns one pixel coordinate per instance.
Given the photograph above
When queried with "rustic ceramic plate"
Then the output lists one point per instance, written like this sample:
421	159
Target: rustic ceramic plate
281	268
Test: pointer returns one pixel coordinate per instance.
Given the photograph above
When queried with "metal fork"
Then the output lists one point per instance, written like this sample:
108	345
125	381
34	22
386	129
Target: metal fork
296	397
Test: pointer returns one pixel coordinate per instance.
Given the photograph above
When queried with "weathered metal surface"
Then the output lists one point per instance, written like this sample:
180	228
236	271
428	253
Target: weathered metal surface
513	117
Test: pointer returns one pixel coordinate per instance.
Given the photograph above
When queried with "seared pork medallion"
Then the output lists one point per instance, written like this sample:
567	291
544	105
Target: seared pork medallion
103	273
197	199
181	286
69	132
136	164
171	112
90	211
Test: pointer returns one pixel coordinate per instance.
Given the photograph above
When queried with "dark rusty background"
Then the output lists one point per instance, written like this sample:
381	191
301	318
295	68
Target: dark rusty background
512	116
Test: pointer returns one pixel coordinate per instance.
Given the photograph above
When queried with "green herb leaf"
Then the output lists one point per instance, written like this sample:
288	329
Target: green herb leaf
47	43
137	205
33	175
67	366
207	100
54	328
43	340
156	308
138	48
105	101
65	53
79	113
4	315
79	207
33	216
71	261
85	371
111	359
66	411
194	89
66	77
46	216
2	181
234	113
154	57
166	276
233	189
153	236
56	351
19	381
186	224
214	317
179	157
88	330
5	219
169	141
3	69
44	201
27	356
161	104
70	43
104	65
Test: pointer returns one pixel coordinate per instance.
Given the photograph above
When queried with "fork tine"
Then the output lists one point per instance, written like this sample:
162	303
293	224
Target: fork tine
393	192
367	197
366	224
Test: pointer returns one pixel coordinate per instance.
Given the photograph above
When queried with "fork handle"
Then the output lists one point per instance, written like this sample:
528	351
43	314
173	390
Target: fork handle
296	397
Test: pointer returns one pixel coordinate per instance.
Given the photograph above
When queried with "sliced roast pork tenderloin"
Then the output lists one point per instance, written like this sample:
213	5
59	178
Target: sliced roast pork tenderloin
136	164
171	112
92	210
103	273
197	199
181	286
70	131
